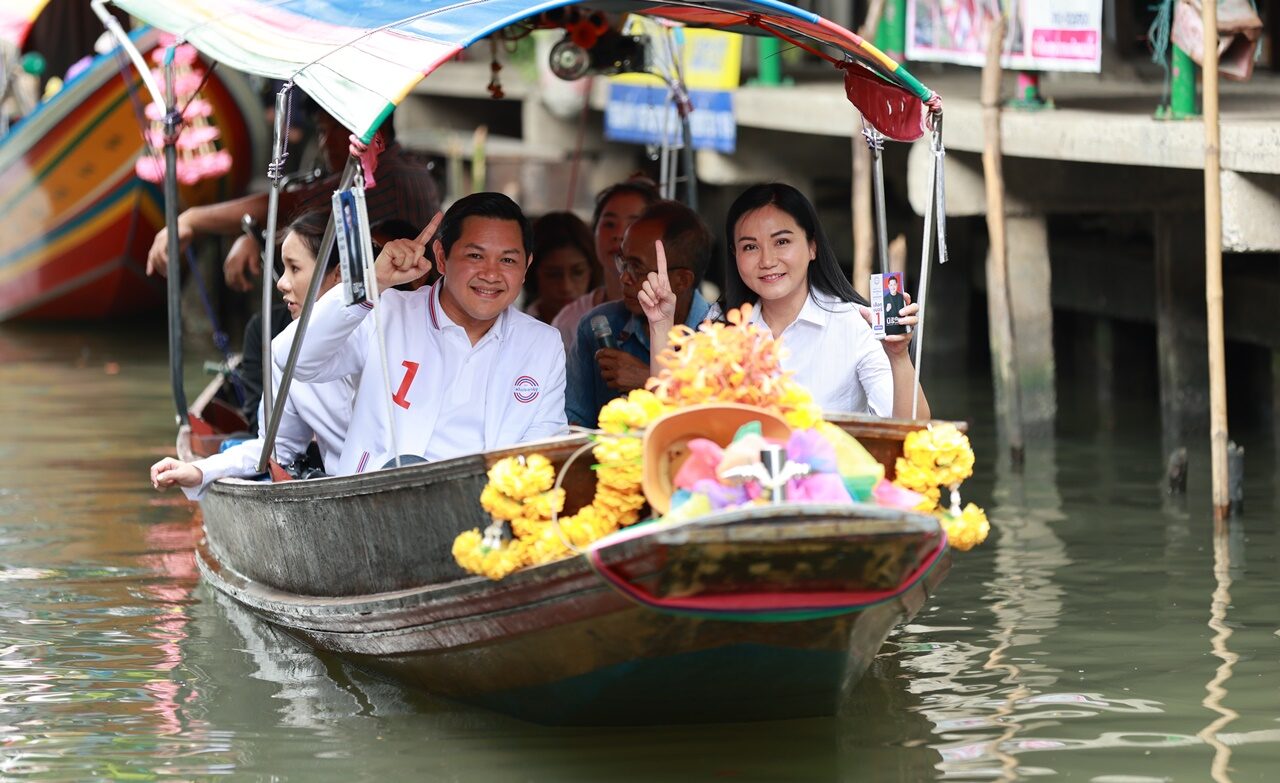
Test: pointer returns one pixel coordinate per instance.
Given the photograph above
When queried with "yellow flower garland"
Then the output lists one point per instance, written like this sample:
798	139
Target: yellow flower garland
936	457
520	492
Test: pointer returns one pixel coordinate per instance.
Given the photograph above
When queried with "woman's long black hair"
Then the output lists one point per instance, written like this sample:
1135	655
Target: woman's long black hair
825	274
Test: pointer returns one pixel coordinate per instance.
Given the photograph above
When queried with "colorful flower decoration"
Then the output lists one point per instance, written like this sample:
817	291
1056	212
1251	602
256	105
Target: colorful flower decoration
736	362
199	156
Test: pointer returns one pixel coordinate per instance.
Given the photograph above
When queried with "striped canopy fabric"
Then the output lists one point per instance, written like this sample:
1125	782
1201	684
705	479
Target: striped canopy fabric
359	58
16	17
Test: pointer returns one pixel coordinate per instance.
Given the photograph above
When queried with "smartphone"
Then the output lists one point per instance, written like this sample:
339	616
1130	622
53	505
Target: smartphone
887	300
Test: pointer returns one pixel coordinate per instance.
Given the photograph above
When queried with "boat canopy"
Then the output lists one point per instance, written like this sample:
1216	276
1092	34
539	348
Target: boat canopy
359	59
16	18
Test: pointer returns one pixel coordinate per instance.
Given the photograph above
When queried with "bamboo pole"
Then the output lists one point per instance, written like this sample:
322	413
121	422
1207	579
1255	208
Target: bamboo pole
1003	336
1213	266
864	239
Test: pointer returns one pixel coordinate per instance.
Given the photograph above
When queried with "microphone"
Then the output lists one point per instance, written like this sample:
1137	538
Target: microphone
603	332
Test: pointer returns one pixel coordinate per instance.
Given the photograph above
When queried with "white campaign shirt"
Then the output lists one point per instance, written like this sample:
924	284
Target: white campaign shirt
449	398
321	410
832	353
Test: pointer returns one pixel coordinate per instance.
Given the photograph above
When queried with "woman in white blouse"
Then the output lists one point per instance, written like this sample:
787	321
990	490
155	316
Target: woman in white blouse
313	410
782	263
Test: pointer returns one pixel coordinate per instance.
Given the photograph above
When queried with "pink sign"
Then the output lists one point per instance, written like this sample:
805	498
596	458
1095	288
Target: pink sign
1065	44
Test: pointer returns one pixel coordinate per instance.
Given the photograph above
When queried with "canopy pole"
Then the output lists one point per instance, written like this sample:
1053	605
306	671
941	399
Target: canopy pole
313	292
1213	267
684	107
875	141
172	126
126	43
275	172
933	222
863	217
371	278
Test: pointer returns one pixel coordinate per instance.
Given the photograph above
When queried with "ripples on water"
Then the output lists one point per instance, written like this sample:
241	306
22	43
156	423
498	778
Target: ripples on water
1099	635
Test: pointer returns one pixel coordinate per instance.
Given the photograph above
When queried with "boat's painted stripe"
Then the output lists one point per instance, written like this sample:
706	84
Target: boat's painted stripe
66	138
767	607
55	290
42	249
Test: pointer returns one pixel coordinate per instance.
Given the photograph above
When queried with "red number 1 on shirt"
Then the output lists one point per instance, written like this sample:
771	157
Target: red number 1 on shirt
411	370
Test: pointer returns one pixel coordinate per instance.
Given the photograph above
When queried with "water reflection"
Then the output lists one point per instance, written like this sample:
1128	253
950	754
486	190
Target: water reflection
1217	687
1074	643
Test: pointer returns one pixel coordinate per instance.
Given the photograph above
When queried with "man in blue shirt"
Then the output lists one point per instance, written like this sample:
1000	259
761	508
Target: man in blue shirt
598	374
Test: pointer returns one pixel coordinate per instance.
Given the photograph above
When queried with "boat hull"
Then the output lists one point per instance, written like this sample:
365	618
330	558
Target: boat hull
360	566
75	220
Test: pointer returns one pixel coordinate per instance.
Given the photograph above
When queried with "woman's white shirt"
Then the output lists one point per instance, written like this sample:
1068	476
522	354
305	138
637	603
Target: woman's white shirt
830	351
319	410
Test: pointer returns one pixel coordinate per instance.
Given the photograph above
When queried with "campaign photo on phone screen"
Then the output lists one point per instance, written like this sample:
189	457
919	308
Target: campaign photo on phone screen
893	302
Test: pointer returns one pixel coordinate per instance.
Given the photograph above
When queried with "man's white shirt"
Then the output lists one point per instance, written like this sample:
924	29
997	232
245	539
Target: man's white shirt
448	397
832	353
321	410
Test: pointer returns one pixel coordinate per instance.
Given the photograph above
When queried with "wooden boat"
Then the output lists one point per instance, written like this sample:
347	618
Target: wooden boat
768	612
75	220
772	612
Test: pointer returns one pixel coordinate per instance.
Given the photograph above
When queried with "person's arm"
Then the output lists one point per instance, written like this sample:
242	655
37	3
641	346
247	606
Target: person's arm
895	398
580	398
659	304
221	218
904	383
334	347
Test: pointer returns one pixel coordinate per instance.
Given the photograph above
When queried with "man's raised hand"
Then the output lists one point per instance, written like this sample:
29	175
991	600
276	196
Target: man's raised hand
405	260
656	297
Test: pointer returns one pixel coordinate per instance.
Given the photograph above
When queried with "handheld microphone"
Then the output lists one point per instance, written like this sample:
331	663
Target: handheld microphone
603	332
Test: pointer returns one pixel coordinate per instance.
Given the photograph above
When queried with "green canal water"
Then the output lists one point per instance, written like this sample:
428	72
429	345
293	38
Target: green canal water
1102	634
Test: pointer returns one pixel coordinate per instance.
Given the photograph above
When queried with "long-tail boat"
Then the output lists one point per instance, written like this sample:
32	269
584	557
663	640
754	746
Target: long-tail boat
771	612
766	612
75	219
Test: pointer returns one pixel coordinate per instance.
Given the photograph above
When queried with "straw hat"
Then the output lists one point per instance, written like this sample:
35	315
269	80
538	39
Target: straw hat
665	441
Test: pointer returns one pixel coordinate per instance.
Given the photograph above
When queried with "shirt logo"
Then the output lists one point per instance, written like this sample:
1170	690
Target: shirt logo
525	389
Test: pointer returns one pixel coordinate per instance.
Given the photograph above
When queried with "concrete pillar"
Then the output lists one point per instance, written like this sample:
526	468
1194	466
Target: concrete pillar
1032	312
1182	342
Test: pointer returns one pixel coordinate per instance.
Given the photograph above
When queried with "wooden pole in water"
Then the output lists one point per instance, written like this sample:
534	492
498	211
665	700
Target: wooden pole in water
1003	337
1213	266
864	232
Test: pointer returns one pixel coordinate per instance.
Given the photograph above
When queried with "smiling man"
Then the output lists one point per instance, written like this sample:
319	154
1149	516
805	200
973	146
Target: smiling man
597	374
468	372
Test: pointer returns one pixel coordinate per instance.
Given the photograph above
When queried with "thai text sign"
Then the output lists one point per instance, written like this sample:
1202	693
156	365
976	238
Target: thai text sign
641	114
1043	35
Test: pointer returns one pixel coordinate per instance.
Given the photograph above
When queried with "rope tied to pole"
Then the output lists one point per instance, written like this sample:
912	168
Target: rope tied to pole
275	169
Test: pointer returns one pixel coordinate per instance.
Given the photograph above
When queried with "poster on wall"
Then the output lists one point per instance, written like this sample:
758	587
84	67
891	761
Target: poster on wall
1044	35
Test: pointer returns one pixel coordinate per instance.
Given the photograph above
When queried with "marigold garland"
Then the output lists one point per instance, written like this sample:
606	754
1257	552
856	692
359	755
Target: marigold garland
936	457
